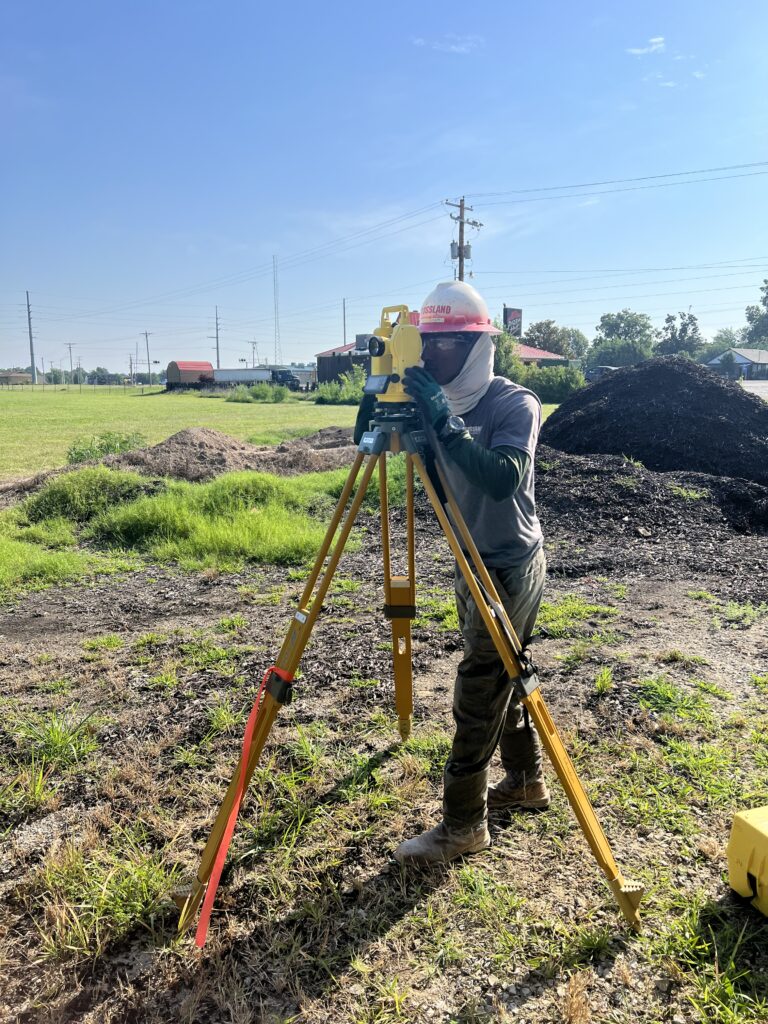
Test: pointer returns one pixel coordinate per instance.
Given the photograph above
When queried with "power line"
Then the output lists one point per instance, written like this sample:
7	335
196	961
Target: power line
631	188
631	270
618	181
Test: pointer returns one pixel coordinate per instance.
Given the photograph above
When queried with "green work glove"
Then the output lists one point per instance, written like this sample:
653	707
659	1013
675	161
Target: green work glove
423	387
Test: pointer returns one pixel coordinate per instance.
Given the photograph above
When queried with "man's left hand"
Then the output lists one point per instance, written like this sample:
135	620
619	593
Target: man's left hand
423	387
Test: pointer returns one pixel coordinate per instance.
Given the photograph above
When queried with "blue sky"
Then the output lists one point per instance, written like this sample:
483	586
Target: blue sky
157	155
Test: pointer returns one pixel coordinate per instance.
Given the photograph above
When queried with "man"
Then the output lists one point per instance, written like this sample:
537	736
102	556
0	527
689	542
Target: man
487	458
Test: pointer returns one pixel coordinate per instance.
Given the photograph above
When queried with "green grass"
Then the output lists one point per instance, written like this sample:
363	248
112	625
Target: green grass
108	642
711	947
97	446
57	739
222	718
84	493
231	624
238	518
88	900
568	616
604	680
760	681
435	609
25	566
60	417
27	789
676	657
688	493
660	695
740	616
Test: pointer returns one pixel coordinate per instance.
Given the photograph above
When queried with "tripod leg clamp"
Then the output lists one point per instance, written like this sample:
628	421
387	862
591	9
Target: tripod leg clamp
528	680
280	686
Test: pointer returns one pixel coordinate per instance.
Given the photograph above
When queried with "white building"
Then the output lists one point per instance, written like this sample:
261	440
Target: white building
749	363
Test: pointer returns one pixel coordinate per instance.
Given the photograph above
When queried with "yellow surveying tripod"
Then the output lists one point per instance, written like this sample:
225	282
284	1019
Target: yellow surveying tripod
397	428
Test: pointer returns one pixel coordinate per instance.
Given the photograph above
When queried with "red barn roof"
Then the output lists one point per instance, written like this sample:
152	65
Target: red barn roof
340	351
194	365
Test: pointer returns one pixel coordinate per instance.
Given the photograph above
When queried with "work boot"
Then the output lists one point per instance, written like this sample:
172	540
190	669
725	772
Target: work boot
442	844
509	797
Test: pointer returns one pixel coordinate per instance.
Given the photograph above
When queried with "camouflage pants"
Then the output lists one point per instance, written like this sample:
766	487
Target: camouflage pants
484	709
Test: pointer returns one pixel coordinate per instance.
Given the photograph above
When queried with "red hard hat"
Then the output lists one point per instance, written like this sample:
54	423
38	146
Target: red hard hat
454	306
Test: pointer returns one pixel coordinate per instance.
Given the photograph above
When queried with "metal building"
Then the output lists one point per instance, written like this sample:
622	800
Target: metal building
189	372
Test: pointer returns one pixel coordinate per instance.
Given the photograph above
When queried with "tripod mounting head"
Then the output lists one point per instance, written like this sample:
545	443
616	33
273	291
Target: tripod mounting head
394	346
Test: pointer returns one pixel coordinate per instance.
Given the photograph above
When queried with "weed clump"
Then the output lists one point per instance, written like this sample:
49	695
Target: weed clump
84	494
85	449
89	903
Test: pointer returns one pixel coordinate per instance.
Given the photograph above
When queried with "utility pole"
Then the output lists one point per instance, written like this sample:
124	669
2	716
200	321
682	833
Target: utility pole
254	352
464	251
130	366
344	314
68	345
79	375
42	359
149	364
31	343
278	349
215	337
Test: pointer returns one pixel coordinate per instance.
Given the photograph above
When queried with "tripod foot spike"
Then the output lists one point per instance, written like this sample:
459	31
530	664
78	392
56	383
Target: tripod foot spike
628	896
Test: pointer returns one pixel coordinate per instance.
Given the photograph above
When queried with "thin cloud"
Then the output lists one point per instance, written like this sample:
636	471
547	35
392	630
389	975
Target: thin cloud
668	85
698	74
655	45
451	43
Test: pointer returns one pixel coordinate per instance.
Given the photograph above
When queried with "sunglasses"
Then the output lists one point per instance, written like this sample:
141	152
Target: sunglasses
444	342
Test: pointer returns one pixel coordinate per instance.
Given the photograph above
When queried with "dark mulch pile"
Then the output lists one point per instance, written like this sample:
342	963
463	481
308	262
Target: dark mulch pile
670	414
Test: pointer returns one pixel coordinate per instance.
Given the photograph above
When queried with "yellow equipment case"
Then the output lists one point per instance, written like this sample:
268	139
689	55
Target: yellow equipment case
748	856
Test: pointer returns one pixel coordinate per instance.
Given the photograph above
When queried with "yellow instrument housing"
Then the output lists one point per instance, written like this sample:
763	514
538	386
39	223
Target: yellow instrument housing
402	348
748	856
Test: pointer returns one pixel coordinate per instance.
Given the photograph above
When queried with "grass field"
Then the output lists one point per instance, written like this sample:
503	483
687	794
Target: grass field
38	426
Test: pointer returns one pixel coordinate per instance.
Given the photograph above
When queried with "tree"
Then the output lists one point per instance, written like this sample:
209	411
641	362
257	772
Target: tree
626	326
622	339
617	352
728	365
756	331
725	338
579	342
506	362
564	341
675	337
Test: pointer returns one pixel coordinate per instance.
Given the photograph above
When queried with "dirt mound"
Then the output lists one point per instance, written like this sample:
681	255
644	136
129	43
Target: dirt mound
330	437
199	453
670	414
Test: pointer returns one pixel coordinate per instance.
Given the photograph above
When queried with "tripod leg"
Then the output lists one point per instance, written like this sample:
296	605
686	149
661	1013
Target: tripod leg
278	692
400	601
628	895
